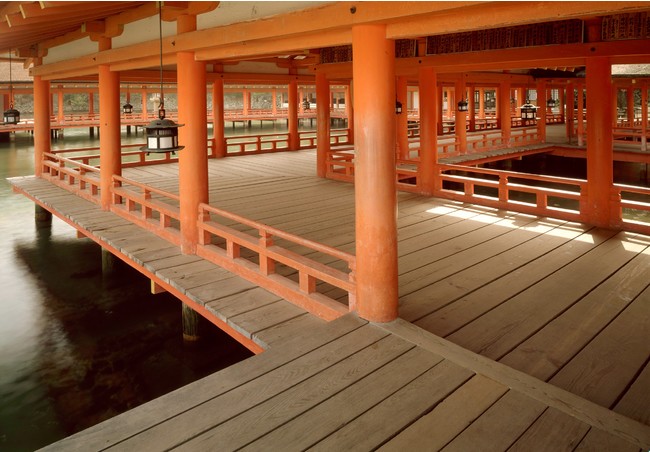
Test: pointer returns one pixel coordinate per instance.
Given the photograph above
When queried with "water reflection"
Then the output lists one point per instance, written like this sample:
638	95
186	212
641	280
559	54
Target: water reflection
76	346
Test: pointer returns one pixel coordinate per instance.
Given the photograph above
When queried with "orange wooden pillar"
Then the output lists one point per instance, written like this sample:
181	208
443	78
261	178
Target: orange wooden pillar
110	153
401	121
91	104
375	188
471	108
292	115
541	111
439	109
600	153
349	114
143	100
218	125
322	123
644	116
429	102
570	111
274	106
629	91
42	141
59	98
193	160
581	116
461	117
481	103
504	112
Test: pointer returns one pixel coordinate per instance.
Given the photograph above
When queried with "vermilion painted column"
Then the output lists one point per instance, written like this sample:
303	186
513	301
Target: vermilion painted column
471	107
322	123
91	104
41	122
504	112
375	188
644	116
349	113
246	99
581	116
461	117
570	111
481	103
143	99
218	132
630	105
292	115
401	121
541	111
600	152
110	153
429	102
193	160
59	98
439	109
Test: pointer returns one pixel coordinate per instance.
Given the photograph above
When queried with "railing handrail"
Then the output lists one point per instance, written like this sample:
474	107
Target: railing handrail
58	158
514	174
145	188
316	246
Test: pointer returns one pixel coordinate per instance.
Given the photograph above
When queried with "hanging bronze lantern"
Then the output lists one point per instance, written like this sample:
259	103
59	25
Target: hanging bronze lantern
162	133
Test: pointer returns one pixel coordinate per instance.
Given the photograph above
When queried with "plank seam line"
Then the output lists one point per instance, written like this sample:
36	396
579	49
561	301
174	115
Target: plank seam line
271	396
571	404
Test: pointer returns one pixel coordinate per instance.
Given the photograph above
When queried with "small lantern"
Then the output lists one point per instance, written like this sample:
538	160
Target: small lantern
398	107
550	103
528	111
462	105
162	135
127	108
11	116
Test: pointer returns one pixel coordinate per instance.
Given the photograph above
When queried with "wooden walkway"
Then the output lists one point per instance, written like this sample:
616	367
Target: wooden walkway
516	330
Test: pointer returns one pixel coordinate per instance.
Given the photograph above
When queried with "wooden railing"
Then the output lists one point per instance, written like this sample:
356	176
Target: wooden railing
632	204
72	175
557	197
337	138
280	270
256	144
134	201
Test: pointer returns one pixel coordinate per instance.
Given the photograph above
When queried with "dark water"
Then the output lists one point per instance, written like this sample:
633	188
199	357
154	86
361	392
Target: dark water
76	346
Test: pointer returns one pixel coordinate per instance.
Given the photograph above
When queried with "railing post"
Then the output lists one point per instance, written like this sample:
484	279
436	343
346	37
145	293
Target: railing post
267	265
503	188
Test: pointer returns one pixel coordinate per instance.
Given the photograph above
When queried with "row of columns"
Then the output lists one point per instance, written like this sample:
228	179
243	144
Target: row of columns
375	187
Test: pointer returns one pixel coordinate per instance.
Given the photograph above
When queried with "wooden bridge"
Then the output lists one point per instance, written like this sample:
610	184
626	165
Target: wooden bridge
532	329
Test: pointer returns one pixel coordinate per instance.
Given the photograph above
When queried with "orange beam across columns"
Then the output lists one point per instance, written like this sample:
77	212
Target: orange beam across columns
218	132
461	116
600	150
401	121
110	152
41	122
504	112
322	123
193	160
429	102
375	186
292	115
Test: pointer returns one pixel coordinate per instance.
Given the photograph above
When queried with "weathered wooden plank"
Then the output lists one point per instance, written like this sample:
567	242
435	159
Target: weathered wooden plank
503	328
556	430
277	335
334	412
437	428
471	306
502	423
636	400
264	317
246	399
114	431
551	348
550	395
600	441
370	430
611	361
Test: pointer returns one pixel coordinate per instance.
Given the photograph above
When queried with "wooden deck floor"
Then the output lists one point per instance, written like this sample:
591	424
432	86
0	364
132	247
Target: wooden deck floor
540	329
